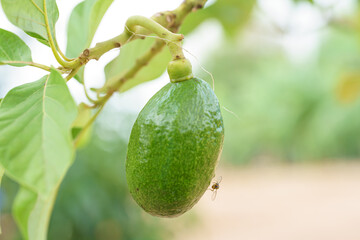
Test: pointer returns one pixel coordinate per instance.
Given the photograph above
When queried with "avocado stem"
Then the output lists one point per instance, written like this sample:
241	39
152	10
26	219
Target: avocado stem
172	40
179	68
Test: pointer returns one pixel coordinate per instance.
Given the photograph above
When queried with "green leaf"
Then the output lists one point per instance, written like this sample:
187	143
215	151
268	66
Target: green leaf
12	48
232	14
83	23
83	118
32	213
29	15
80	75
2	170
23	205
129	53
36	148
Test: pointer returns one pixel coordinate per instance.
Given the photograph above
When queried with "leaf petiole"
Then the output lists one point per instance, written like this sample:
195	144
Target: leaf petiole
61	53
52	43
37	65
72	74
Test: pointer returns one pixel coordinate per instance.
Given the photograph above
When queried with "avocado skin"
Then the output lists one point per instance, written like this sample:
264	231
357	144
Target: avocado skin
174	147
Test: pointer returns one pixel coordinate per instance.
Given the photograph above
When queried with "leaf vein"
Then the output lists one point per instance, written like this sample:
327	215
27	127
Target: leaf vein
28	142
28	19
31	119
38	8
20	116
25	98
5	53
42	130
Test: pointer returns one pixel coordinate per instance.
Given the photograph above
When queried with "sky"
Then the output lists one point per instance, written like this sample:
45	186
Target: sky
302	20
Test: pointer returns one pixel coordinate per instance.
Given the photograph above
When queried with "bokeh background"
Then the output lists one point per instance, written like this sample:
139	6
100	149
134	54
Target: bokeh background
287	74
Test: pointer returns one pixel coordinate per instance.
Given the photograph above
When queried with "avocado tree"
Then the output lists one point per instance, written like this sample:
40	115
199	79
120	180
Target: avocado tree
41	126
177	138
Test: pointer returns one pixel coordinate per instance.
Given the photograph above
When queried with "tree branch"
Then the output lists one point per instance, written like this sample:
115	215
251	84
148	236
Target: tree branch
170	20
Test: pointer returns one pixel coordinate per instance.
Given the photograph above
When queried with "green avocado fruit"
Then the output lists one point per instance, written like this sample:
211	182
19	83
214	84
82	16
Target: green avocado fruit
174	148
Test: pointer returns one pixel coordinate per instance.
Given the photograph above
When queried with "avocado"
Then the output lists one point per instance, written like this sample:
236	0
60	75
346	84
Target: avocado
174	147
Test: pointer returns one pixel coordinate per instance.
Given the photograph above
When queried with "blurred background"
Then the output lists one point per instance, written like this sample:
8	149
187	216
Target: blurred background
287	74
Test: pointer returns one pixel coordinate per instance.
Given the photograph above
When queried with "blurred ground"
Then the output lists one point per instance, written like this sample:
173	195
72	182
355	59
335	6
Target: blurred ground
293	202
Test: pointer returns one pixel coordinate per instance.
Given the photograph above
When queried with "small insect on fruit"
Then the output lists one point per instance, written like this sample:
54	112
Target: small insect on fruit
214	187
